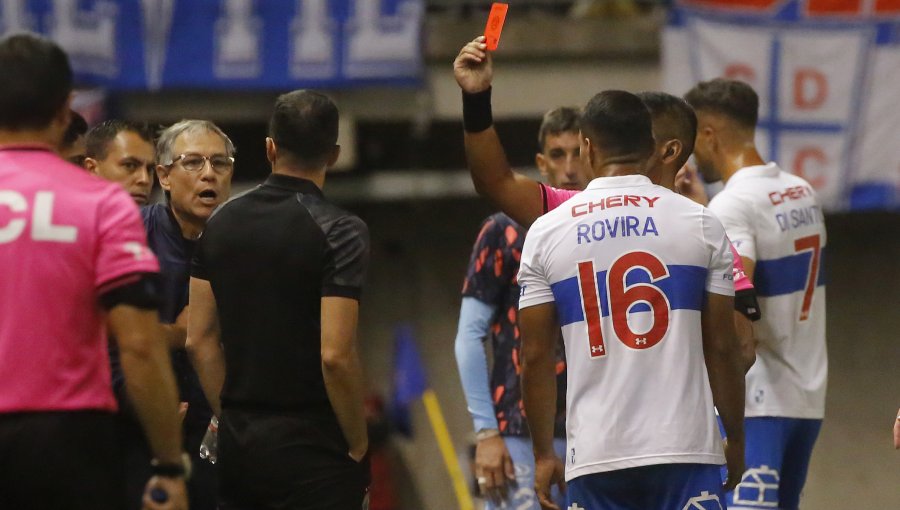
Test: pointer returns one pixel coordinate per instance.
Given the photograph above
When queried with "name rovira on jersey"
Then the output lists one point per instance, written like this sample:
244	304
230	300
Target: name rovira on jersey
619	226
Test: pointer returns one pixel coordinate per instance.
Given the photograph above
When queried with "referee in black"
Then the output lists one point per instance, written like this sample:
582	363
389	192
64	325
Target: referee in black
274	303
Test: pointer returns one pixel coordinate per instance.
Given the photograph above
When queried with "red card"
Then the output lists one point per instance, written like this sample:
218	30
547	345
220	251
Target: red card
495	25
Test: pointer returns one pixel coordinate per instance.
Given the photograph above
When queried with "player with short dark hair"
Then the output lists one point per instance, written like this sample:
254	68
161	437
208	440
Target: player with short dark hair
272	329
620	126
122	152
75	262
732	98
504	460
639	279
562	119
778	228
674	128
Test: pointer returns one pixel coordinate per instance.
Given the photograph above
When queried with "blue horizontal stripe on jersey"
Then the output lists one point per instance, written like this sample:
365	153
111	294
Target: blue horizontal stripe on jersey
685	288
786	275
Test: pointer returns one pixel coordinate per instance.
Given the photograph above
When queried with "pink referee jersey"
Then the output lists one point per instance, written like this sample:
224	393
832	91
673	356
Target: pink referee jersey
553	197
65	237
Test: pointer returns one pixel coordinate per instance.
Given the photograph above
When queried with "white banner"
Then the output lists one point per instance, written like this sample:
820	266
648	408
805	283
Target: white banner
827	74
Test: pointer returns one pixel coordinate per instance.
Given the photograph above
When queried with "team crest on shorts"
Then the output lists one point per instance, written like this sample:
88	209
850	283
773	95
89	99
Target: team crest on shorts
758	487
705	501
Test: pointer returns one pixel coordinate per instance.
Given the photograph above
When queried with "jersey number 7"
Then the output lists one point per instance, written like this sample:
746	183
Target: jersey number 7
809	243
622	298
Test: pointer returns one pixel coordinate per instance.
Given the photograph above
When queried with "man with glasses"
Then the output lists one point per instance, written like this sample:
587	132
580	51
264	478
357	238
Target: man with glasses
195	165
196	160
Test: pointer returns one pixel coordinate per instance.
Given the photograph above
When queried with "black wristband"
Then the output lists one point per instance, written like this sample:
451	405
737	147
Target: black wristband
172	470
746	303
168	470
477	115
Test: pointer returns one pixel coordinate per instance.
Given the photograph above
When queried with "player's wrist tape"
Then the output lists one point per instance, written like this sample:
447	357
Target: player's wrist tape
477	115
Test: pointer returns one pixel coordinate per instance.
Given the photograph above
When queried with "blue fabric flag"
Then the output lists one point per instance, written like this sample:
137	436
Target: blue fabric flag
409	378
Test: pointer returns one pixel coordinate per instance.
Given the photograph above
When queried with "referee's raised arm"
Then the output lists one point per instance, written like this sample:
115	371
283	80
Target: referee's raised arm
515	194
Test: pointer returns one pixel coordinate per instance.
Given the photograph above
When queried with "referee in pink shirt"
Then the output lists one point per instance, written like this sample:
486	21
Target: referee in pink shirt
74	261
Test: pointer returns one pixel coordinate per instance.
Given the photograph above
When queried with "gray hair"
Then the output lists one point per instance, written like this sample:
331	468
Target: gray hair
166	143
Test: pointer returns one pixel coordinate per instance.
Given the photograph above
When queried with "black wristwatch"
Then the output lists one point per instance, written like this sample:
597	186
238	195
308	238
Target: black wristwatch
172	470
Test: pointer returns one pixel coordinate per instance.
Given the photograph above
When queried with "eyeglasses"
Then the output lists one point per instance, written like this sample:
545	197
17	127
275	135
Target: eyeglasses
195	162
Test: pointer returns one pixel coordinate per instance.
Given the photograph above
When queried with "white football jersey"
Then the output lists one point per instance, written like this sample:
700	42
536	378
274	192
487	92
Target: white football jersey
628	265
773	217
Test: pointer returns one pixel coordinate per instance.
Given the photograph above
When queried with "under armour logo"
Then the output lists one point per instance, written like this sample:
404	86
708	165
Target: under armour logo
574	506
596	348
759	396
640	341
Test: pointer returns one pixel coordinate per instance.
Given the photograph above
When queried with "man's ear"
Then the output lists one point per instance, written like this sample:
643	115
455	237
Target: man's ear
671	151
541	162
333	157
271	150
587	152
162	173
92	165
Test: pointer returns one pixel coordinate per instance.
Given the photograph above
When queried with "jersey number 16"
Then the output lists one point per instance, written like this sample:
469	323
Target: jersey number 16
622	298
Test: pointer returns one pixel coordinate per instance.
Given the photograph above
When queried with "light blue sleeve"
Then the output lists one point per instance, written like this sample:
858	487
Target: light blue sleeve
474	325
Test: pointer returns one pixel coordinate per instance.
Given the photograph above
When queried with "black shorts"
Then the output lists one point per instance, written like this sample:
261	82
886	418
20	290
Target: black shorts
59	460
274	461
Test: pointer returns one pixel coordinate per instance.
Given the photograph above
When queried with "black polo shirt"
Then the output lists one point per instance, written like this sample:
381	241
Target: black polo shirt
270	255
